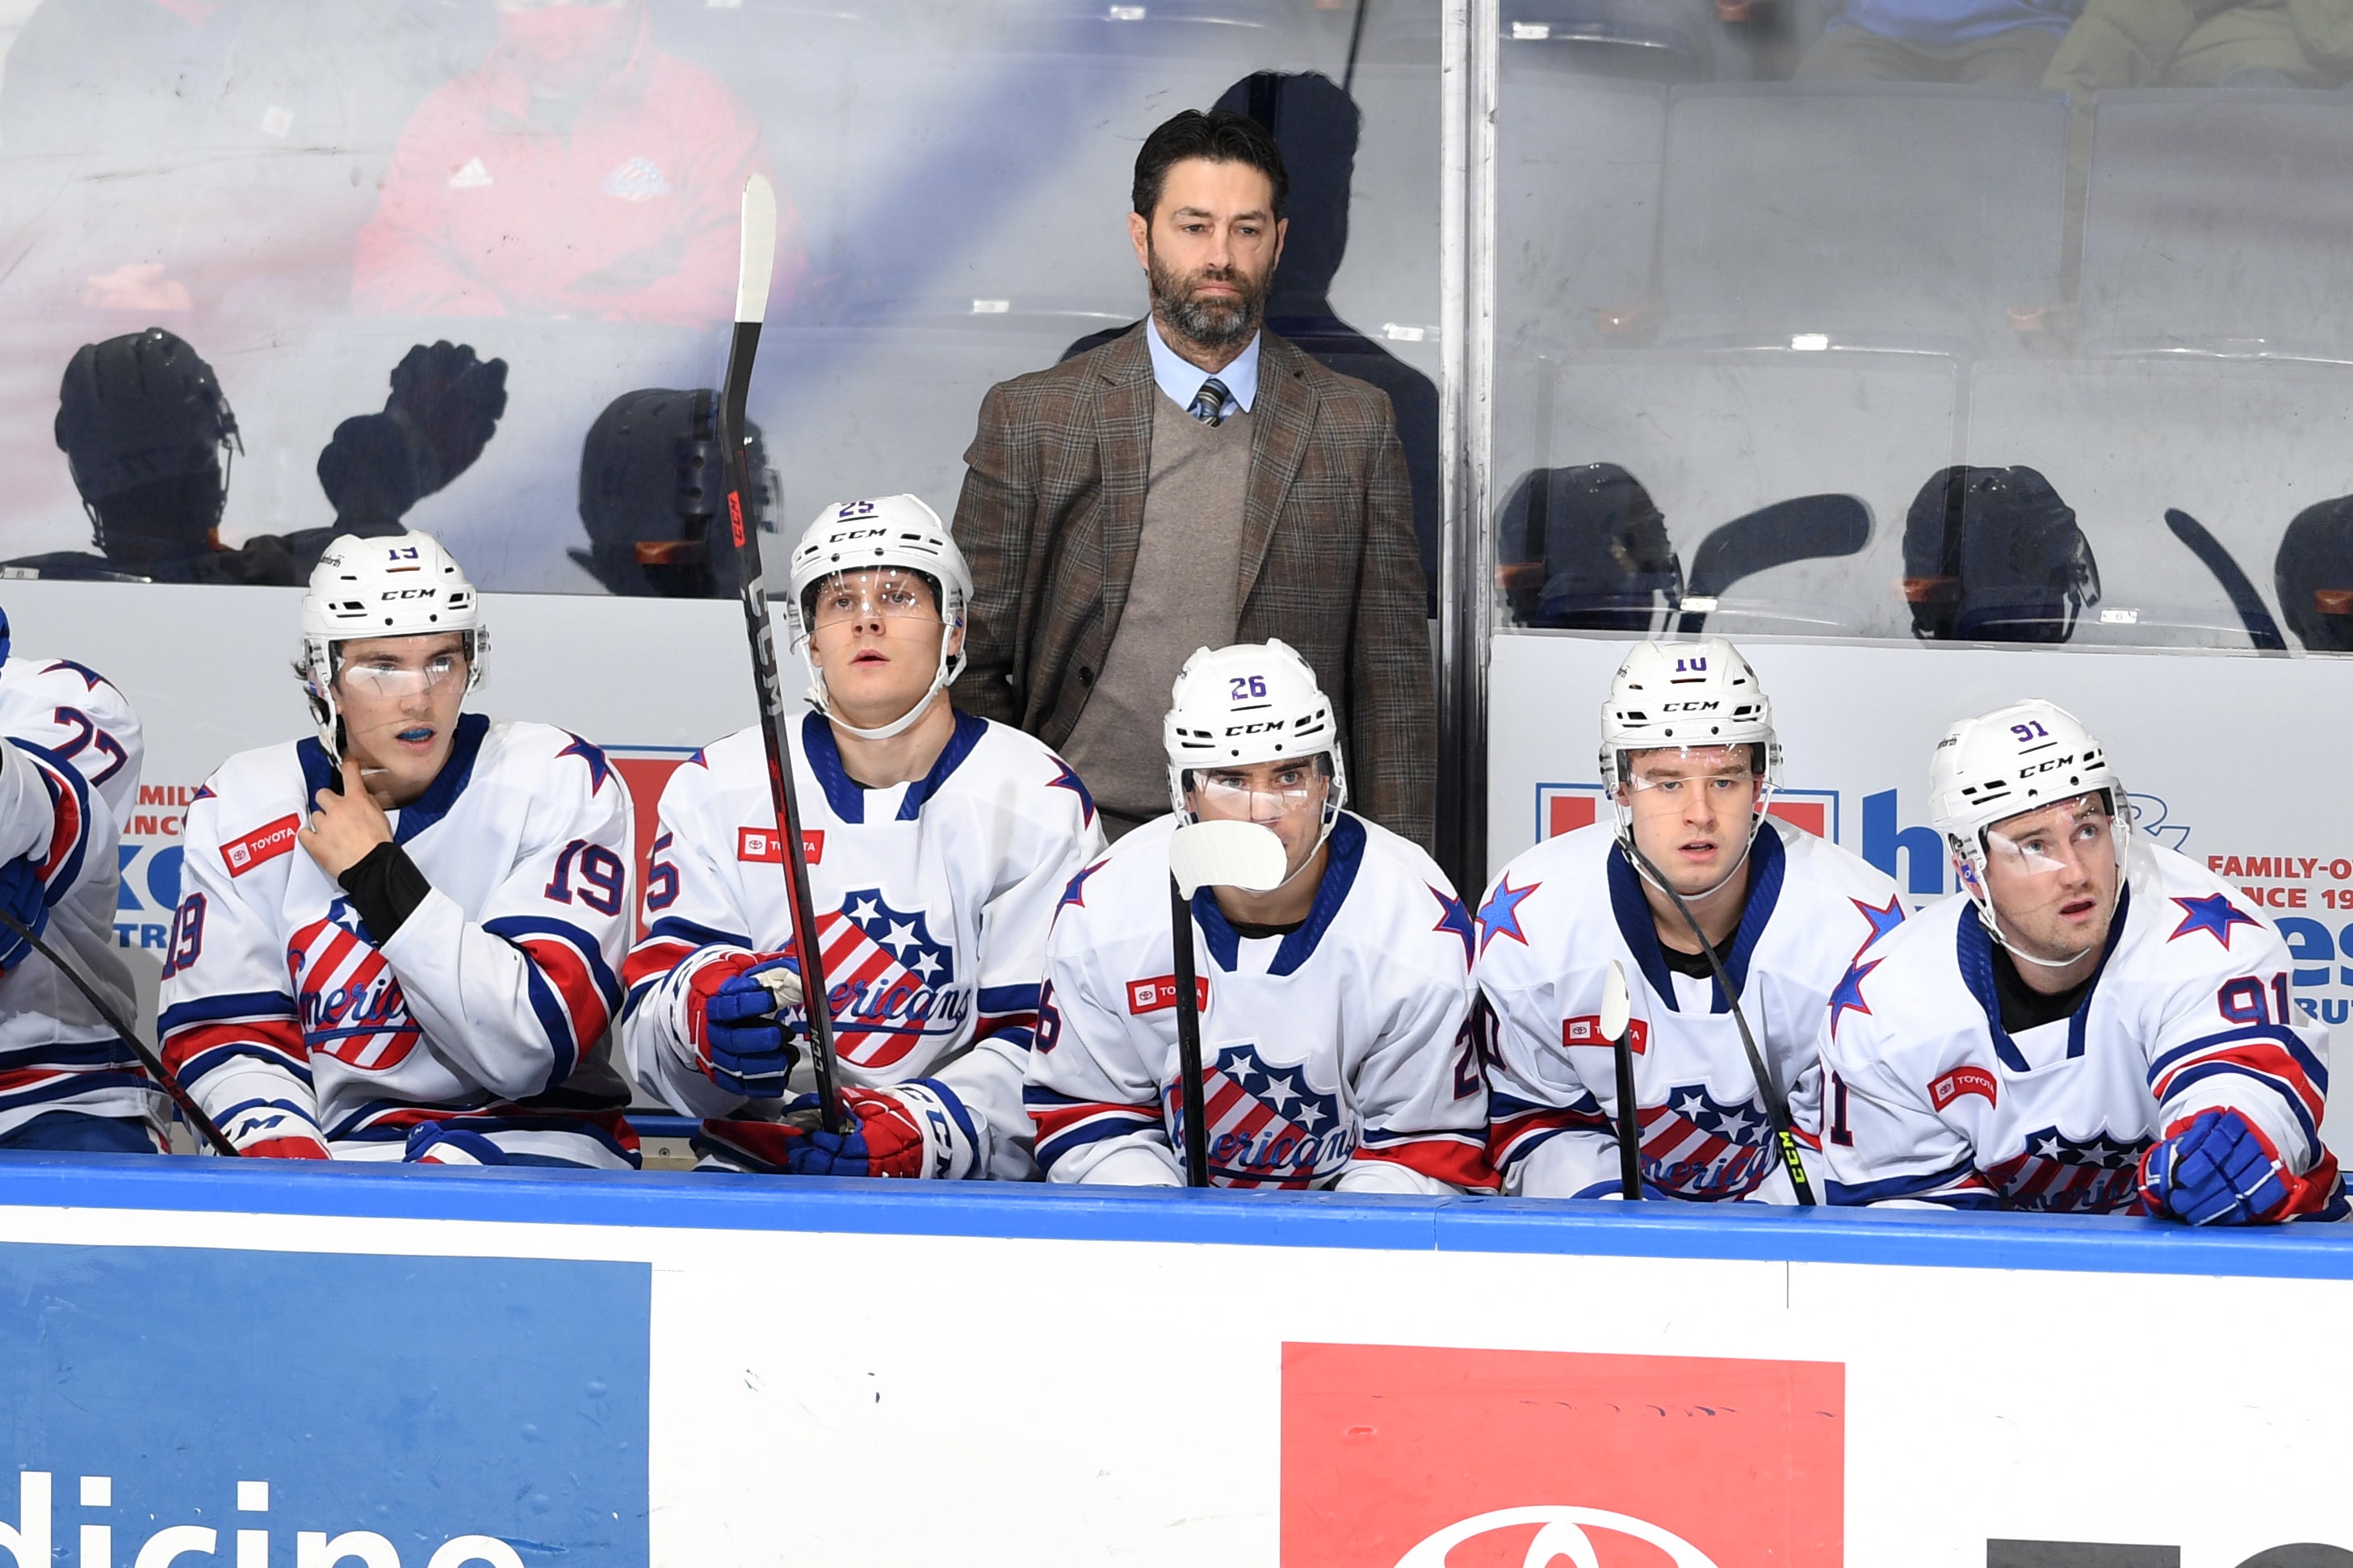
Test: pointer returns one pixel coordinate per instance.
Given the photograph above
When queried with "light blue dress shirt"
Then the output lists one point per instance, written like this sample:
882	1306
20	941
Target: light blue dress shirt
1181	379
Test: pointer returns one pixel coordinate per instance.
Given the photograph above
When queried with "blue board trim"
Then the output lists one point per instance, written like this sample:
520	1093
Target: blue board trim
673	1200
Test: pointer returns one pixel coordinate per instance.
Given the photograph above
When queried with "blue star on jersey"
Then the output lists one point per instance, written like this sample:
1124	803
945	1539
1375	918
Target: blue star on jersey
1848	997
1076	893
89	678
594	755
2214	915
1453	916
1882	921
1267	1126
1070	781
1499	915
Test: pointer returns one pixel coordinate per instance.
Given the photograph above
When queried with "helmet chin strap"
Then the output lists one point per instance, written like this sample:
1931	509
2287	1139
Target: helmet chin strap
819	699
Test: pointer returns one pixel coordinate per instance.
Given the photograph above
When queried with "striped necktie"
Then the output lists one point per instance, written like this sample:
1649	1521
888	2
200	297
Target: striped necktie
1210	403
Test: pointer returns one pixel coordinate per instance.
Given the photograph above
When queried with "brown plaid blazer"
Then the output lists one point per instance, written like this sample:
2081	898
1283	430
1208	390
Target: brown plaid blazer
1052	514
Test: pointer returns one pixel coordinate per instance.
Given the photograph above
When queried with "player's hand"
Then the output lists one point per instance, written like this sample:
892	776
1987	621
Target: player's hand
2216	1171
905	1133
24	898
344	827
731	1007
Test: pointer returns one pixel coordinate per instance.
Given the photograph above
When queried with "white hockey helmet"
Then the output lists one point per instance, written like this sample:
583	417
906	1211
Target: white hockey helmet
391	585
2017	759
1251	703
861	535
1679	696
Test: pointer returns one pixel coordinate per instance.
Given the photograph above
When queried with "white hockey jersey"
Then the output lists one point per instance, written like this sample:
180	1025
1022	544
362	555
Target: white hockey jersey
68	779
933	897
1928	1097
1548	929
1339	1055
488	1007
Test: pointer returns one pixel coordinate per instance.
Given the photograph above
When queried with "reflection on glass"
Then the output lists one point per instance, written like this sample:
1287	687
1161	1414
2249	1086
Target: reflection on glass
2062	285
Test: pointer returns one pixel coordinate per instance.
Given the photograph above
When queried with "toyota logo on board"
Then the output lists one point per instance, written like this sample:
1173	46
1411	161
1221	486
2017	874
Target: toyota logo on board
1561	1534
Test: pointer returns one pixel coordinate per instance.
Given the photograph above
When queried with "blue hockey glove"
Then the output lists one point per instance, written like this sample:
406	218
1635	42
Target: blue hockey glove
2216	1171
731	1005
25	897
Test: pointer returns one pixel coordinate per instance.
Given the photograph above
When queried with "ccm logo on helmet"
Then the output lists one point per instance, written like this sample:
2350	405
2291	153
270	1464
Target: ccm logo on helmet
1690	707
862	533
1258	729
2044	767
393	594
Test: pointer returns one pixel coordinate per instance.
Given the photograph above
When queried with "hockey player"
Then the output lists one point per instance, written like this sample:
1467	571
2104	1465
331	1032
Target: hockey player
1334	1009
937	845
69	755
401	936
1689	761
2092	1024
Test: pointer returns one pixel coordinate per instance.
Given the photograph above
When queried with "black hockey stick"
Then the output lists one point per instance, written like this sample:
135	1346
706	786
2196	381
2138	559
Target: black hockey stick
758	264
1776	1104
1189	1039
2253	614
153	1063
1810	528
1616	1023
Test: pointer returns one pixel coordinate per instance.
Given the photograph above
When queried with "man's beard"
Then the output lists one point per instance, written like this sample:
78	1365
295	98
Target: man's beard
1214	323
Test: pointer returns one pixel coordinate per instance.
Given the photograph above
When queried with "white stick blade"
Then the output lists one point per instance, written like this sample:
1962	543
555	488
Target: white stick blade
757	265
1225	855
1617	1006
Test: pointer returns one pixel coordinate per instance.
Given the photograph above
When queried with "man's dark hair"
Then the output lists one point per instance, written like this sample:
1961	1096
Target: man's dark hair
1222	136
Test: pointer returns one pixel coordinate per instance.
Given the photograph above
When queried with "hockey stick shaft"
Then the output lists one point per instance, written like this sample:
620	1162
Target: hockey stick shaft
1629	1137
1776	1107
153	1063
1189	1038
751	308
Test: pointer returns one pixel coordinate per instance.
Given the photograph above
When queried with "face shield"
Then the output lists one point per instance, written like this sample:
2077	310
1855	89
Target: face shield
894	594
1291	797
2076	838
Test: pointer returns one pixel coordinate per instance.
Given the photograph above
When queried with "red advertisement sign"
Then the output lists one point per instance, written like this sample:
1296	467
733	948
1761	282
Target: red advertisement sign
1398	1457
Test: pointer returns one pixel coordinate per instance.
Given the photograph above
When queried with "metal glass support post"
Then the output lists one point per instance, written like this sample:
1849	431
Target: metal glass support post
1466	282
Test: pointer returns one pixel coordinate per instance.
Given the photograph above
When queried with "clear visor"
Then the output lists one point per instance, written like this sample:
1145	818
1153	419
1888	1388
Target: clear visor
1266	793
880	594
390	677
2075	836
1723	774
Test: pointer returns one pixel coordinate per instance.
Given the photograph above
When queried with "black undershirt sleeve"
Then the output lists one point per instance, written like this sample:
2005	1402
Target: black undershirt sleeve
386	887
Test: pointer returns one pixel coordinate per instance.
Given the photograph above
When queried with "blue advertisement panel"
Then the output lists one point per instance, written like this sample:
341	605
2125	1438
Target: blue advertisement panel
165	1404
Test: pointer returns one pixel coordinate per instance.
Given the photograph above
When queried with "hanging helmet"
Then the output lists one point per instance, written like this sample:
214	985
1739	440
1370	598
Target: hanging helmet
864	536
2014	760
1251	702
396	585
652	481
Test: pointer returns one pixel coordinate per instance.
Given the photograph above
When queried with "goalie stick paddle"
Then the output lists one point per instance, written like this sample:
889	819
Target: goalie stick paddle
1616	1027
2253	614
758	264
1777	1105
1208	854
204	1124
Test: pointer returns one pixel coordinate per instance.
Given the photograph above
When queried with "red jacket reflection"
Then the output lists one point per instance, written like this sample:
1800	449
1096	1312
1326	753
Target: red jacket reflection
629	215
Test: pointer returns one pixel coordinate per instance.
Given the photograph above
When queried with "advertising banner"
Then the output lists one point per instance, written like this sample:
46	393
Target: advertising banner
431	1369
